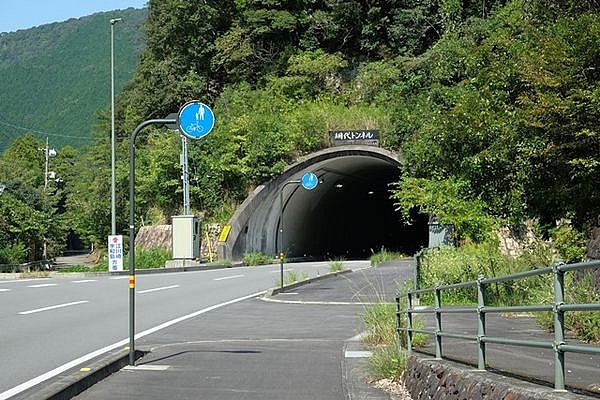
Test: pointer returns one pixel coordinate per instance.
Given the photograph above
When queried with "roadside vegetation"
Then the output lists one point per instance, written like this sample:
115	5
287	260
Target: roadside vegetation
144	259
336	265
466	262
257	258
383	255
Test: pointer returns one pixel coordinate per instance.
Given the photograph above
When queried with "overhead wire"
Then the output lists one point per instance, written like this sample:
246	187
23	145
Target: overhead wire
23	128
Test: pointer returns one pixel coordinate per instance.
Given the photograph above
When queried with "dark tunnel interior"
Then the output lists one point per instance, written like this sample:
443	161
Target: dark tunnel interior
350	214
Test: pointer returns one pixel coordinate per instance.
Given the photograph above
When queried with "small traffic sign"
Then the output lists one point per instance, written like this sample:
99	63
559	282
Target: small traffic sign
309	181
195	120
115	253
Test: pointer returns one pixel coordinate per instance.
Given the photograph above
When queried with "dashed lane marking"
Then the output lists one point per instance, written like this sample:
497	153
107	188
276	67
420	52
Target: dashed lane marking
37	310
157	289
228	277
42	285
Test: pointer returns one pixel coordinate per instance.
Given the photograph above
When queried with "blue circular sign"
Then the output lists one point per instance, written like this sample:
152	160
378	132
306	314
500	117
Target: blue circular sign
309	181
195	120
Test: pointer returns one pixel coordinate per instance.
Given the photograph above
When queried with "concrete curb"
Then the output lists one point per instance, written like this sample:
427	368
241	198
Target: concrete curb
76	380
275	291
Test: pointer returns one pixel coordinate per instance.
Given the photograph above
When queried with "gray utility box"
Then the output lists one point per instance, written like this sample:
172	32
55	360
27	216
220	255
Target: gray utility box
186	237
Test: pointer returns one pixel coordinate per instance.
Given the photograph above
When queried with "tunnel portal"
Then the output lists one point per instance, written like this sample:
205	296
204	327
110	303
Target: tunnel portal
349	215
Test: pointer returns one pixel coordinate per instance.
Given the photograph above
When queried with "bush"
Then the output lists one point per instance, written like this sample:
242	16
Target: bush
449	265
13	254
569	243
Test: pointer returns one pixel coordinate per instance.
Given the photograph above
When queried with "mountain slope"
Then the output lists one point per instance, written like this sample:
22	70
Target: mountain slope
55	78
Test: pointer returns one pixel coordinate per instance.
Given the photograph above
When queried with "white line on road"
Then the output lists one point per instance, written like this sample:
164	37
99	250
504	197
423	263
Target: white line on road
228	277
85	281
65	367
146	367
37	310
157	289
43	285
357	354
4	290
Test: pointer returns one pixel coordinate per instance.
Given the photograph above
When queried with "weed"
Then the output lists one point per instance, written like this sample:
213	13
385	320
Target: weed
383	255
256	259
380	320
291	277
336	265
388	362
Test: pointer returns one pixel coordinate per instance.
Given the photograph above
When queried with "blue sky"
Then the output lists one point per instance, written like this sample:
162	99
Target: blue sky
24	14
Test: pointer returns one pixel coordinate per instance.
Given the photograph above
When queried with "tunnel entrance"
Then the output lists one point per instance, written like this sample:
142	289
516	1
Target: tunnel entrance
348	215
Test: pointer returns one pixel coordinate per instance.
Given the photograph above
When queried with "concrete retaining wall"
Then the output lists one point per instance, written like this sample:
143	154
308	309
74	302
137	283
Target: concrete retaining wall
444	380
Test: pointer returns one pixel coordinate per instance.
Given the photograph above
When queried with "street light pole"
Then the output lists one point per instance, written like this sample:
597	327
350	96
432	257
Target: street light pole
281	251
113	221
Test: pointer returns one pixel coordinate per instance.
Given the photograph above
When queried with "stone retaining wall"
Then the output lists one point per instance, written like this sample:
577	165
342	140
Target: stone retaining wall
432	379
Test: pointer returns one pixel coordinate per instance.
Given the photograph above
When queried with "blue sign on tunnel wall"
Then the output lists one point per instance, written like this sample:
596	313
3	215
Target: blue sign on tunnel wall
309	181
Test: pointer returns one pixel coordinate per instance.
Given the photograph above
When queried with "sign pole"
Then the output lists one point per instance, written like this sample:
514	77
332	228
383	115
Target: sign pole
195	120
132	231
309	181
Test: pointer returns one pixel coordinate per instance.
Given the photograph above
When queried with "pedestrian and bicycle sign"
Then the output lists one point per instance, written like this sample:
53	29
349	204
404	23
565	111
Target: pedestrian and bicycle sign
309	181
195	120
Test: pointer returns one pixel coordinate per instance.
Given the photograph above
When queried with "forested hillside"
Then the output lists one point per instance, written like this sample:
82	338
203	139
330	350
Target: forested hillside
493	105
55	78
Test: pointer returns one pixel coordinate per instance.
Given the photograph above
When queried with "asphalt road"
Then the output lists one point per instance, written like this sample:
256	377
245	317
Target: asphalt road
50	324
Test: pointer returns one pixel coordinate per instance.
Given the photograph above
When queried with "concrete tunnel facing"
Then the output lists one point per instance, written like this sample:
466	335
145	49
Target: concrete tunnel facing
349	215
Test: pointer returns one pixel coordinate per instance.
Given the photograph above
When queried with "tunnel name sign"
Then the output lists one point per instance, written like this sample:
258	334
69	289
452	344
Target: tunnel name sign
368	137
195	120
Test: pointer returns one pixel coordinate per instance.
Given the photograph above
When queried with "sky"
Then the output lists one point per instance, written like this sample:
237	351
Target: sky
25	14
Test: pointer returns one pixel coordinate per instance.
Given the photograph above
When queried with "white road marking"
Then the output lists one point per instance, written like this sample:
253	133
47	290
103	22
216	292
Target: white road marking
357	354
85	281
4	290
148	367
157	289
117	278
37	310
41	285
228	277
65	367
23	280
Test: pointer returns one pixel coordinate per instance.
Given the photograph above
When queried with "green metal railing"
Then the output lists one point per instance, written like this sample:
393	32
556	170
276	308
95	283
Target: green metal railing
558	308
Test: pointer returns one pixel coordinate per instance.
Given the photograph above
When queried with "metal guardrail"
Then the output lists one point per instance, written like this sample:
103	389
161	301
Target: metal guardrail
558	308
41	265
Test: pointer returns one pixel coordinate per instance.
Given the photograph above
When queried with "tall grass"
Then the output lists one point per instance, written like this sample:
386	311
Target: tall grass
383	255
257	258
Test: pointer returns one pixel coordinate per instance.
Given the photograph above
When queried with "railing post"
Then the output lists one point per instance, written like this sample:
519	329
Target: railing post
437	301
481	323
409	320
417	271
559	328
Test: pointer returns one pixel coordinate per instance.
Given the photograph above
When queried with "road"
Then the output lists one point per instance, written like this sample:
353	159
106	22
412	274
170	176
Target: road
49	324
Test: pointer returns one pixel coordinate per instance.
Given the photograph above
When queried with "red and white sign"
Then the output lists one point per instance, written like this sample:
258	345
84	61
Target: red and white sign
115	253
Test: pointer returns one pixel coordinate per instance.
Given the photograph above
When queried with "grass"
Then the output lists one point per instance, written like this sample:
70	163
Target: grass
384	255
336	265
251	259
291	277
